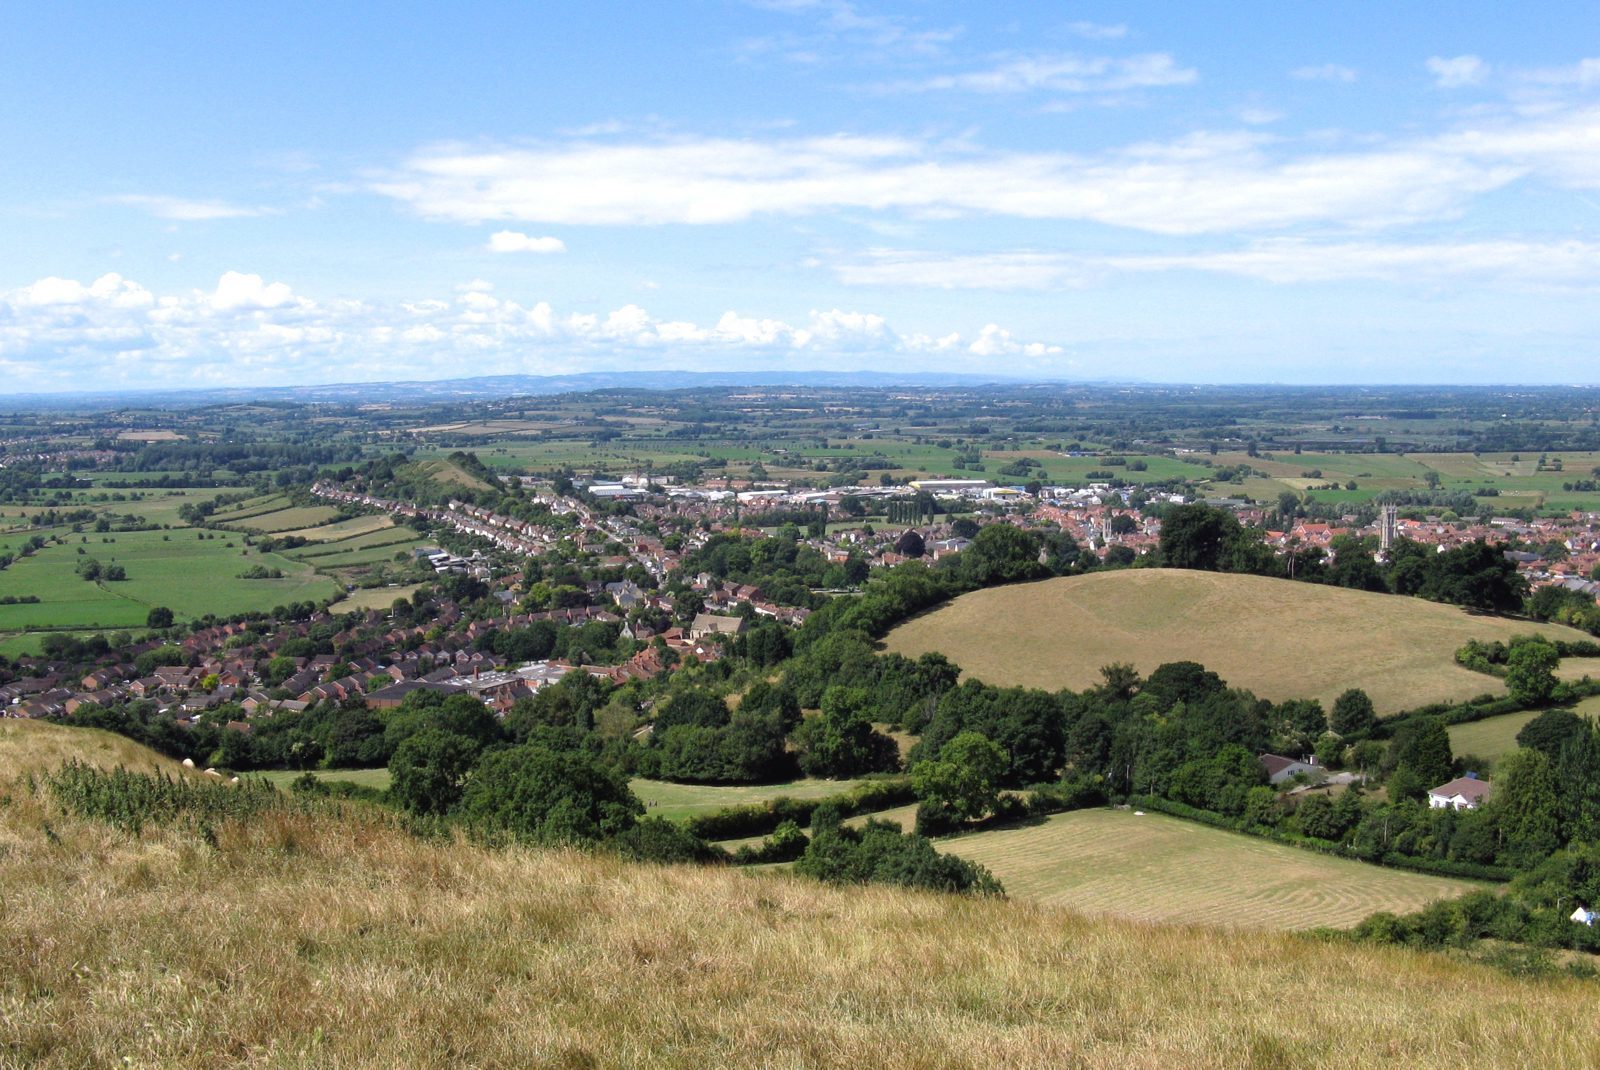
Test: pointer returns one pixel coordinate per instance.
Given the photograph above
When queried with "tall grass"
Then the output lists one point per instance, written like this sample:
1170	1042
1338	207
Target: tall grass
302	939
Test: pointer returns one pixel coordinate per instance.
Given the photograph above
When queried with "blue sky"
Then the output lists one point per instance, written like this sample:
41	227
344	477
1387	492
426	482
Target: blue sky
1244	192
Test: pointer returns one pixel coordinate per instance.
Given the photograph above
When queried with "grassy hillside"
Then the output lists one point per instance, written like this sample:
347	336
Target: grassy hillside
308	942
1156	868
1279	638
38	745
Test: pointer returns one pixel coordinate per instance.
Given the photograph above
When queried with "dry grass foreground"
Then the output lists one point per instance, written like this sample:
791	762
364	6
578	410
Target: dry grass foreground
1279	638
305	942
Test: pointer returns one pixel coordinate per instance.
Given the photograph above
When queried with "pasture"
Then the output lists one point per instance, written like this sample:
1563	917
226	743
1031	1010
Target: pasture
1160	869
1493	737
1279	638
367	778
177	569
678	801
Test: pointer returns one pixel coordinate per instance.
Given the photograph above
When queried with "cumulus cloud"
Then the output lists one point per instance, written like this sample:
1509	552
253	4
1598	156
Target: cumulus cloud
1457	71
63	334
511	241
1325	72
183	210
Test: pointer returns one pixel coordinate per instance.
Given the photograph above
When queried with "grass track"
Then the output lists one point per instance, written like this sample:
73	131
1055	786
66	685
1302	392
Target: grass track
1279	638
1158	868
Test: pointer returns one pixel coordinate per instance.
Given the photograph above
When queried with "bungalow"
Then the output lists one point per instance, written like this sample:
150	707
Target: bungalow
1462	793
1280	768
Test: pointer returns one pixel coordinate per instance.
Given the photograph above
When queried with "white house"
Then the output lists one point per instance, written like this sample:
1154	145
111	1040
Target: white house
1585	916
1462	793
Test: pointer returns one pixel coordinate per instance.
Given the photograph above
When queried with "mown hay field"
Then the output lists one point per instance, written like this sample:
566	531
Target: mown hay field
373	598
1279	638
315	942
1158	868
295	518
341	529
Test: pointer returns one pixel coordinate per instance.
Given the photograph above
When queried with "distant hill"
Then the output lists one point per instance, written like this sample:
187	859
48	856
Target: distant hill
497	386
306	940
1279	638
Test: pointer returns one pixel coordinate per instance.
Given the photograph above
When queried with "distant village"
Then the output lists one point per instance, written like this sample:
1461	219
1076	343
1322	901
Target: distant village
382	660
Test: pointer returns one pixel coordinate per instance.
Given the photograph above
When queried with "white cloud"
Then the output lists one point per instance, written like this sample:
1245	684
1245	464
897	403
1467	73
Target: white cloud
1545	265
1199	184
1457	71
1065	74
1583	74
62	334
188	211
236	291
511	241
1325	72
1097	31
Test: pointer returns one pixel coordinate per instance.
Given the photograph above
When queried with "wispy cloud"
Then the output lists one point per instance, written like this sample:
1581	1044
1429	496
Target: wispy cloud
1457	71
1097	31
1063	74
1561	265
1325	72
185	210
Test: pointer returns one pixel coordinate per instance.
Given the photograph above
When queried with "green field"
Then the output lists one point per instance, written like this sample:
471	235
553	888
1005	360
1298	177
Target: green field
1490	738
678	801
191	576
290	519
1279	638
367	778
1160	869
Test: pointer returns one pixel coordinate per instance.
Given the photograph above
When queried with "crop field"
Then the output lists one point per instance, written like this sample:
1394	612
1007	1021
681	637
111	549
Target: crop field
373	598
176	569
678	801
395	535
252	507
291	519
341	529
1578	668
1279	638
1158	868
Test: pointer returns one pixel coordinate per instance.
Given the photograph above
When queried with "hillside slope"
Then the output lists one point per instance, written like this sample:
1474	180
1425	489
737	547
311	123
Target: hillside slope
310	942
1279	638
40	745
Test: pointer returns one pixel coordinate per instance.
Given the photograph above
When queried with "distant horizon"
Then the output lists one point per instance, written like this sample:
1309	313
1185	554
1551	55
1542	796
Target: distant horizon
482	388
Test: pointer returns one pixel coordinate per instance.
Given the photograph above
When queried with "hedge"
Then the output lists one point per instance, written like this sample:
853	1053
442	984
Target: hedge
1442	867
